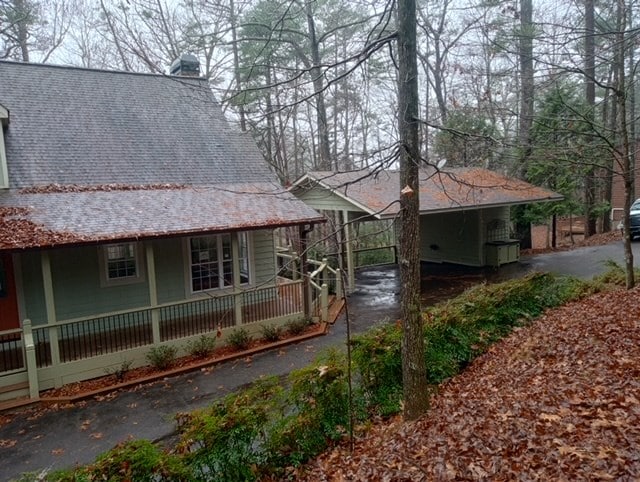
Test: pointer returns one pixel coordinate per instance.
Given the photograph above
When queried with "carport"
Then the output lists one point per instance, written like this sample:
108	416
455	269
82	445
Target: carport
464	213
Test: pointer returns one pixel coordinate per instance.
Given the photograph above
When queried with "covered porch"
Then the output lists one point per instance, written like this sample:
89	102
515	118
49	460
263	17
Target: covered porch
36	357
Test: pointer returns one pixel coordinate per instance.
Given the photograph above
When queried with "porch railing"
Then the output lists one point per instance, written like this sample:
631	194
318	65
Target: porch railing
11	350
83	338
323	280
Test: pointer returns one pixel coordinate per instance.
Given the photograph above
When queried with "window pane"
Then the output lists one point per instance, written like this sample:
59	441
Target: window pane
204	263
121	261
212	261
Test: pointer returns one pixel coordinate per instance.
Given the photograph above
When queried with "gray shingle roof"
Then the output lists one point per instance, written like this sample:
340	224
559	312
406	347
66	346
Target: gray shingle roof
81	127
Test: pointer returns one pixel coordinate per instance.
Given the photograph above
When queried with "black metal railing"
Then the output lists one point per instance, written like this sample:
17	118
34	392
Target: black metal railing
195	317
11	351
42	346
106	334
86	338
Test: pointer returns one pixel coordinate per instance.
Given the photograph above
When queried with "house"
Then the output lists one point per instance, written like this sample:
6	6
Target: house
464	213
131	215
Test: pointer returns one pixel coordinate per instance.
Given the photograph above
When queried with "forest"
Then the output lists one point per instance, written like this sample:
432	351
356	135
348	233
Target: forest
543	91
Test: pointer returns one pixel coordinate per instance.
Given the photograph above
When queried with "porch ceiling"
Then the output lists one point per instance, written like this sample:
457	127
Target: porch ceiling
440	191
63	215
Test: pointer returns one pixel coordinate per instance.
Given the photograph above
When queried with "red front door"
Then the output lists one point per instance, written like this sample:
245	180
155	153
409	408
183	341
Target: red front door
9	318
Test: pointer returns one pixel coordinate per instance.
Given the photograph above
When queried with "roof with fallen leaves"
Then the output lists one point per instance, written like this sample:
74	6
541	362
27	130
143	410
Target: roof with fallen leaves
95	155
378	192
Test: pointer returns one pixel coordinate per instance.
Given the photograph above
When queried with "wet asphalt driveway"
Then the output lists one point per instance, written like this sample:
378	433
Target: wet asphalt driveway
75	435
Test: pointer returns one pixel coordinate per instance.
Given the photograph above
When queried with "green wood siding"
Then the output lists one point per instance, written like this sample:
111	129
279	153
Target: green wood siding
452	237
170	269
32	288
77	290
77	284
321	199
264	257
493	217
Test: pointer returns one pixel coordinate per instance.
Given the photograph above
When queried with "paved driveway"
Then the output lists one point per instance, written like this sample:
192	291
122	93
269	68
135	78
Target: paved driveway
77	434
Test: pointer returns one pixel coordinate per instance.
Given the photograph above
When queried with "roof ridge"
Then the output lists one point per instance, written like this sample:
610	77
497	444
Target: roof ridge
106	71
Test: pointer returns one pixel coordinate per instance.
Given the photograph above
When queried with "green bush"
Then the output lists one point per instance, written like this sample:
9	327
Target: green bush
318	406
615	274
239	339
271	332
121	372
162	357
456	332
138	460
377	359
297	327
201	347
225	442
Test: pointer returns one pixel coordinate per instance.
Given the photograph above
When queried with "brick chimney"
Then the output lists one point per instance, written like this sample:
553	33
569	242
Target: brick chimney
187	65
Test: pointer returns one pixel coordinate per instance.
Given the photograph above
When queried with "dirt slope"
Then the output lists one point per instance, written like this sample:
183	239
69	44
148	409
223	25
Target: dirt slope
558	400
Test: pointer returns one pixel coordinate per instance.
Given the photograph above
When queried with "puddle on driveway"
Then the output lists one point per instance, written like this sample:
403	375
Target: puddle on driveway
380	286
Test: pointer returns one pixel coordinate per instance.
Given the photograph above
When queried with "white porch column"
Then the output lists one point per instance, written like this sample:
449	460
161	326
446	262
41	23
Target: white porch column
237	281
50	306
153	292
350	270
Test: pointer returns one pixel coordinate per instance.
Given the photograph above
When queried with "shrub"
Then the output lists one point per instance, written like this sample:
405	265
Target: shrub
271	332
201	347
319	414
297	327
377	358
456	332
138	460
225	442
615	274
121	371
239	339
162	357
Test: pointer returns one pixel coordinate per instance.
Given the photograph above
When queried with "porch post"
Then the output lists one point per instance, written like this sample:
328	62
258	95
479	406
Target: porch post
50	307
30	360
306	293
237	296
350	270
153	292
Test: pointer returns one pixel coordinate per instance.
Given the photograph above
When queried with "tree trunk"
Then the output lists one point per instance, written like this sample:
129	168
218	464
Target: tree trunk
236	64
624	154
318	87
414	376
590	94
526	83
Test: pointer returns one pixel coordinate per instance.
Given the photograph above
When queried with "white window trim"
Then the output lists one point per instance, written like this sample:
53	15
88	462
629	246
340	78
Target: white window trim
105	281
187	264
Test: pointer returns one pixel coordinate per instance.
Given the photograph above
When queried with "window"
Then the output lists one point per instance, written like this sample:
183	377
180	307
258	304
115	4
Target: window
212	261
120	264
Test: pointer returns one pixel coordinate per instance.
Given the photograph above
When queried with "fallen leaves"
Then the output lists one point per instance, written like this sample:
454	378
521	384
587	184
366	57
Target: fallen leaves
63	188
558	400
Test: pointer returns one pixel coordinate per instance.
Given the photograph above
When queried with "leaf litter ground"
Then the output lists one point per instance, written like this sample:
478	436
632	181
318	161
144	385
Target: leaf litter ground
557	400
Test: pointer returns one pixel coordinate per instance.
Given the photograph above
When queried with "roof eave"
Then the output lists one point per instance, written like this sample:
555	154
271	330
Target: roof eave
479	206
128	237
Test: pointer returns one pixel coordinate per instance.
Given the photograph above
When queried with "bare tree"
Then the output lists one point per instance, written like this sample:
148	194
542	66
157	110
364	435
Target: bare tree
414	375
